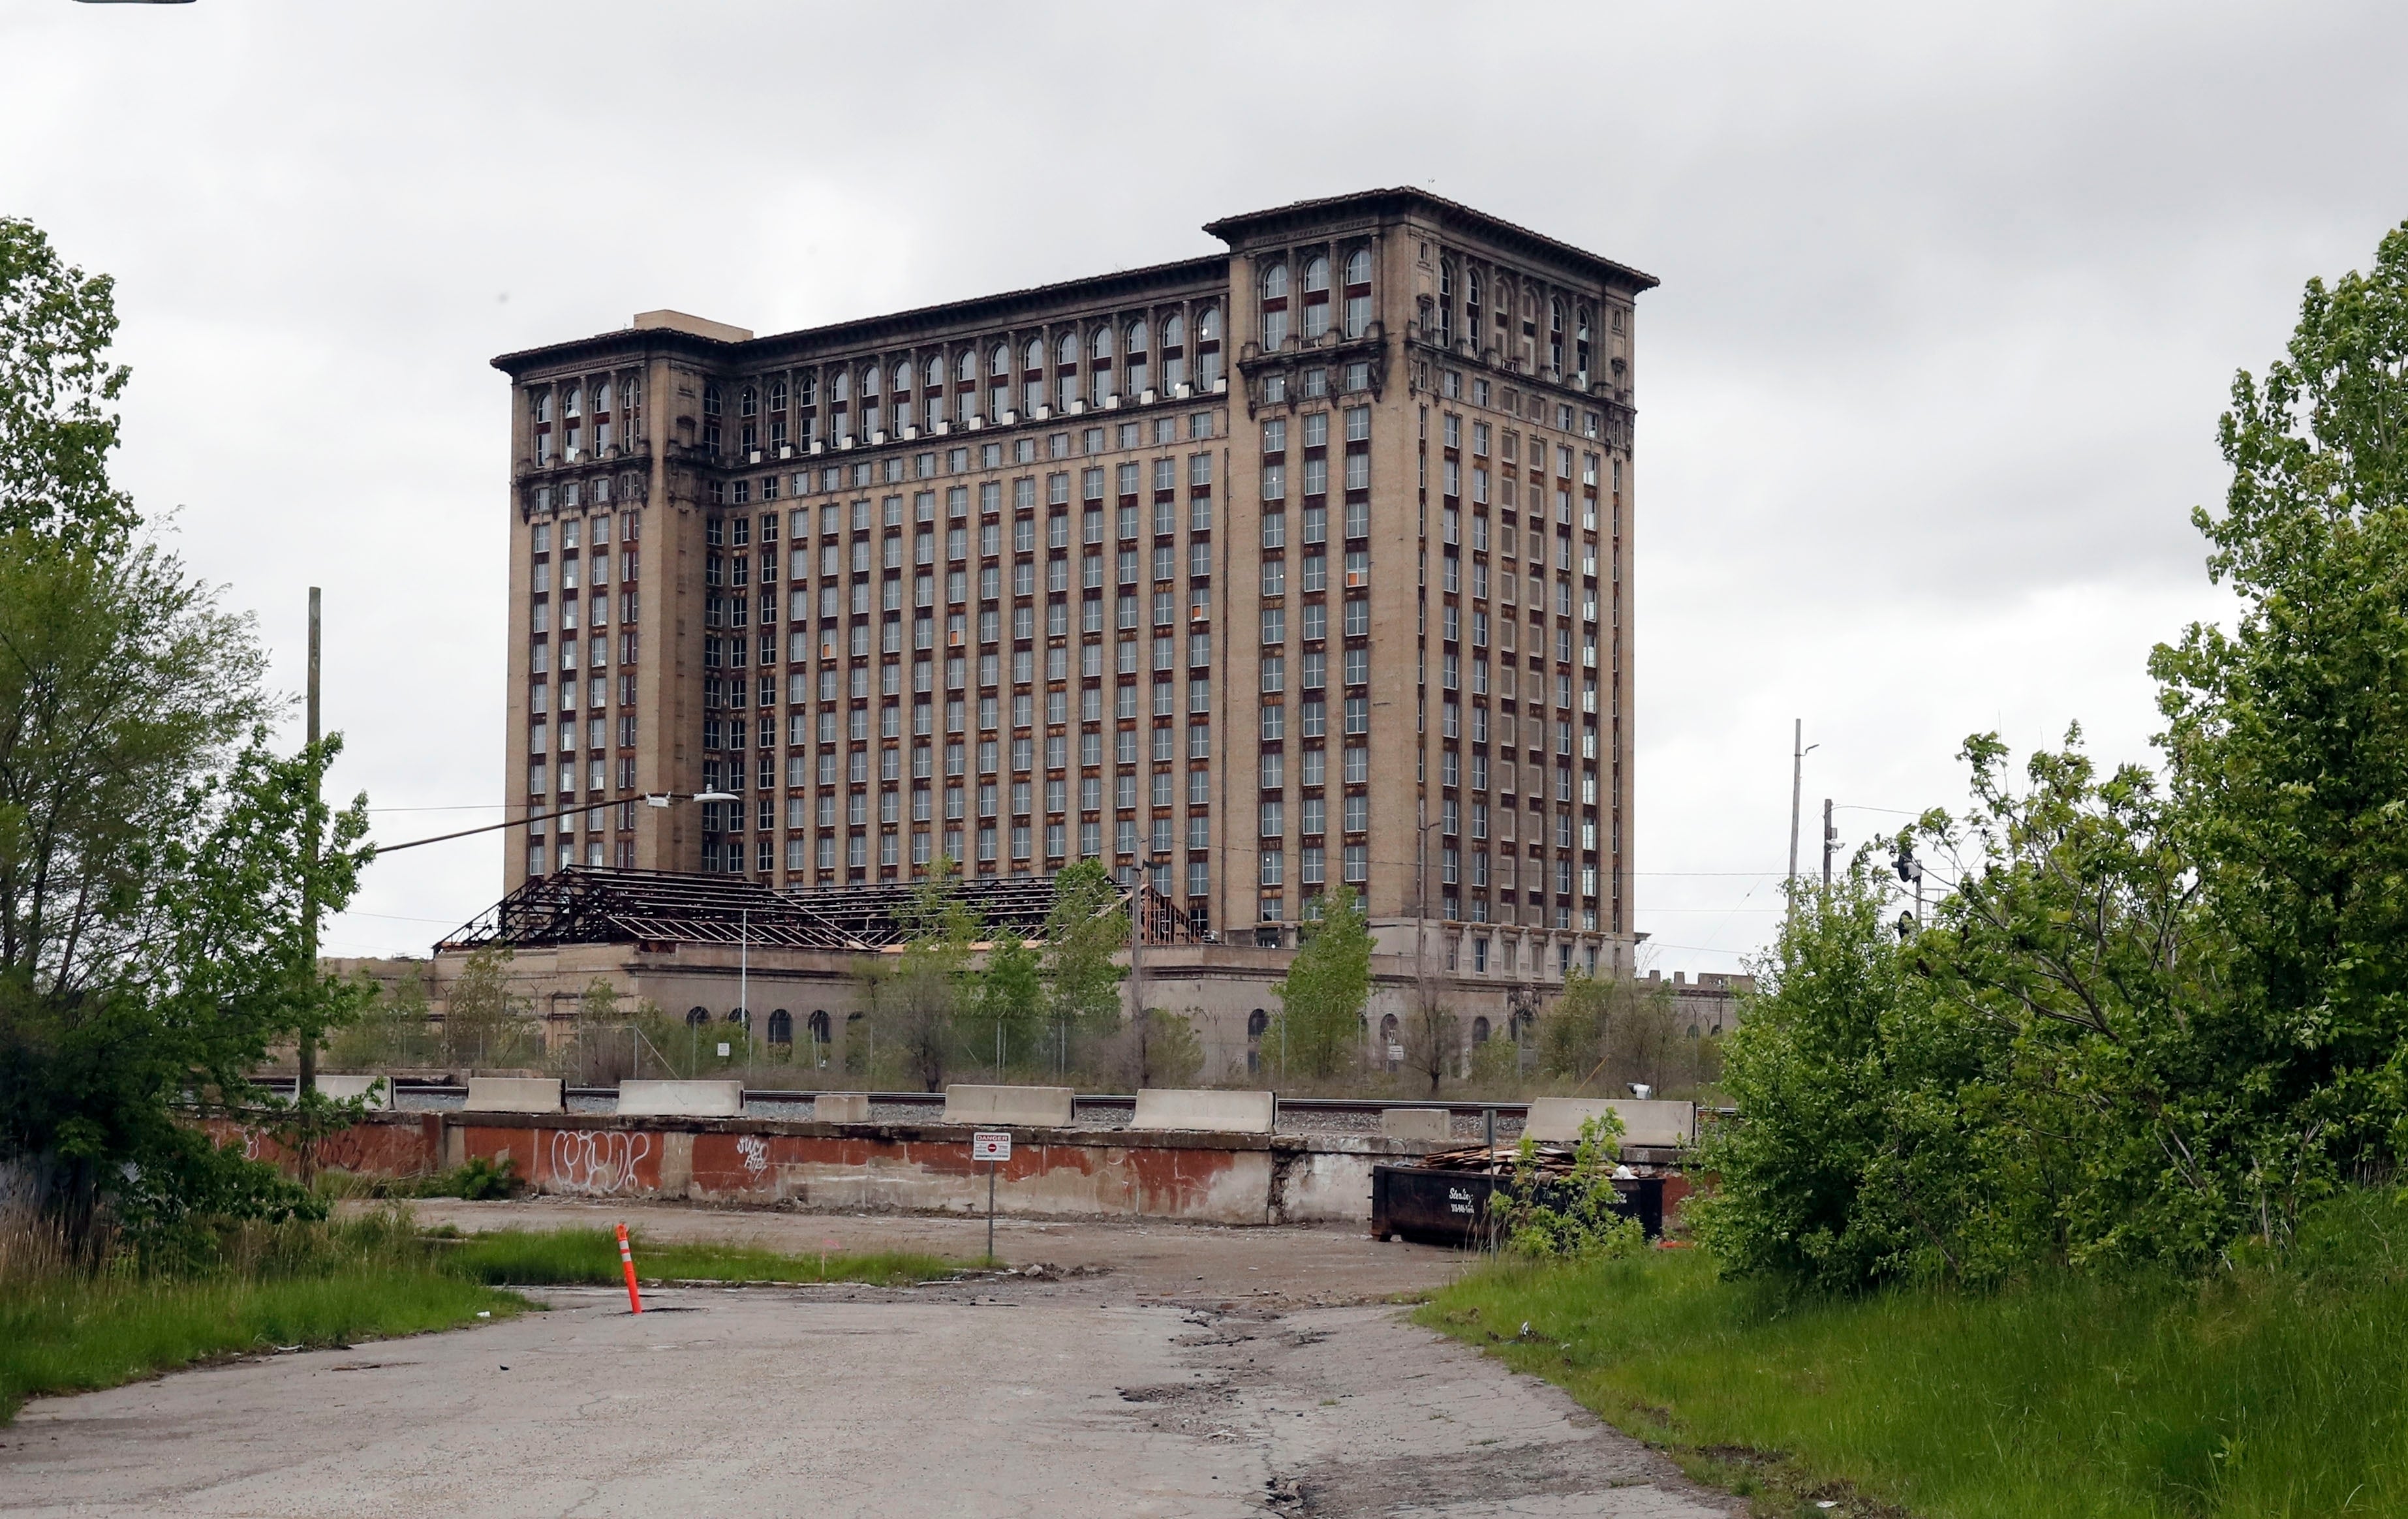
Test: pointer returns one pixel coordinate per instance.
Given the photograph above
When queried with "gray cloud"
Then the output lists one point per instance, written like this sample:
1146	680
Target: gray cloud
1951	302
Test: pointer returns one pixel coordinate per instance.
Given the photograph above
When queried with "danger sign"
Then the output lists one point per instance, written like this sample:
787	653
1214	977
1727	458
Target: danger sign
990	1146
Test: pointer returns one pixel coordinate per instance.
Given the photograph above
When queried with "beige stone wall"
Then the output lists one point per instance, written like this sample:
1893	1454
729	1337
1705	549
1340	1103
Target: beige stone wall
1414	377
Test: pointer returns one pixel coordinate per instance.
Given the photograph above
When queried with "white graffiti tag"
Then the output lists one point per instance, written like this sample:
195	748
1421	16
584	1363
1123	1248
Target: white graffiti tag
755	1151
599	1161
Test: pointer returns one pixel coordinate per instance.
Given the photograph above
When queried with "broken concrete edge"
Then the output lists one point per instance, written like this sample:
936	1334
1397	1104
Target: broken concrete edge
1119	1138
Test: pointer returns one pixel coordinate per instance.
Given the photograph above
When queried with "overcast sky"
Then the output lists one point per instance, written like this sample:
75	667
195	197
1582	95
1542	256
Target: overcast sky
1951	303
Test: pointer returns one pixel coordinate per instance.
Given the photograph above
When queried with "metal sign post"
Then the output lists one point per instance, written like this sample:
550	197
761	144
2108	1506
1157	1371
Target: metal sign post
993	1146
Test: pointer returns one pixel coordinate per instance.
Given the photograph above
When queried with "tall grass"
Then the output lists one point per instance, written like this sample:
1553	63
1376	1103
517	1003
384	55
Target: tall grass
75	1322
533	1257
2278	1388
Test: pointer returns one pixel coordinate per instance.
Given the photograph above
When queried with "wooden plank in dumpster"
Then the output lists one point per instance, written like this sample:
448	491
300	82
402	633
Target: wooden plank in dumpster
985	1145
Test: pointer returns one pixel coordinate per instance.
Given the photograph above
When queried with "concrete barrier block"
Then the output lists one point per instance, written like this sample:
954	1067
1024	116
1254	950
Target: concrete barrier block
1428	1126
343	1088
682	1099
513	1094
841	1107
1027	1107
1557	1120
1216	1112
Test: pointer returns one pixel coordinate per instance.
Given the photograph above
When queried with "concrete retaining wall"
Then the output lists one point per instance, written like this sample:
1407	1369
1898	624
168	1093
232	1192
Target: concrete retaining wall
1426	1125
1010	1107
513	1094
1113	1173
1655	1123
1208	1112
343	1088
682	1099
841	1107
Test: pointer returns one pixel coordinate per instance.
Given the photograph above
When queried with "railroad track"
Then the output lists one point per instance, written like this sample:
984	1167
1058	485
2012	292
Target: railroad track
1100	1101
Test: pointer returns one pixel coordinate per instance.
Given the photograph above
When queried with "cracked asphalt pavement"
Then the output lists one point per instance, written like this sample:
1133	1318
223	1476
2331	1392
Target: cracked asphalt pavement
1142	1391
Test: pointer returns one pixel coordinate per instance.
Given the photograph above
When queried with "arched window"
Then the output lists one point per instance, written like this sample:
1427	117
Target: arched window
710	400
1256	1021
1587	325
1099	345
966	366
1067	351
1358	267
601	396
1208	346
869	383
1275	282
1693	1031
1479	1031
543	405
902	378
1174	330
1034	356
1555	336
806	388
1388	1029
1140	369
776	395
1471	303
568	401
782	1027
933	375
819	1026
696	1017
747	403
840	389
1446	301
740	1016
1316	296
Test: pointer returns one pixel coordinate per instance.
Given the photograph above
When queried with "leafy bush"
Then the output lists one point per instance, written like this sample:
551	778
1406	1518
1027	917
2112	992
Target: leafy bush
1572	1217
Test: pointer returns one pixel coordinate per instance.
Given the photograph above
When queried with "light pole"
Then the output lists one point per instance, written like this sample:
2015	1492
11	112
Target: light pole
1145	866
656	799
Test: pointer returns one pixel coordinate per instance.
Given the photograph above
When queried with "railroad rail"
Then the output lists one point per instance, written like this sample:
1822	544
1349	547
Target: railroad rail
1100	1100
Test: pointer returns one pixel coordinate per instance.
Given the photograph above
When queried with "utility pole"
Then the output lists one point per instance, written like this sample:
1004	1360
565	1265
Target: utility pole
1797	781
308	1053
1137	946
1798	750
1830	842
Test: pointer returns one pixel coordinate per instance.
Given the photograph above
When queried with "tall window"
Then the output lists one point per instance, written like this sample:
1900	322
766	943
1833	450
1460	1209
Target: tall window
1358	292
1316	296
1208	346
1174	354
1275	306
1446	301
1587	324
1556	336
1140	370
1032	389
1099	350
1066	362
998	382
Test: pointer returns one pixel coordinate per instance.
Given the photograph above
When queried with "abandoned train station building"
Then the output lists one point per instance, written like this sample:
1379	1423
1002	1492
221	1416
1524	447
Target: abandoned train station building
1298	565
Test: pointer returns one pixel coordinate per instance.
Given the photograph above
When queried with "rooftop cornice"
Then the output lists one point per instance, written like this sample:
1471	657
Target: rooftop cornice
1307	216
844	339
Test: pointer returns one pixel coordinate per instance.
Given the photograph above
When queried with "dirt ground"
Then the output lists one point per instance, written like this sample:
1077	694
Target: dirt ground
1297	1264
1205	1372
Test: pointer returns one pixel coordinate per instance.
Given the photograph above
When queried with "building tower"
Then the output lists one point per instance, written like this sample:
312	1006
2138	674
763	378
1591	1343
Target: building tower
1300	564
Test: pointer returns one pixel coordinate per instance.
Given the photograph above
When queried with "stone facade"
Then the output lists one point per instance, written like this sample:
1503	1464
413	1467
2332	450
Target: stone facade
1271	567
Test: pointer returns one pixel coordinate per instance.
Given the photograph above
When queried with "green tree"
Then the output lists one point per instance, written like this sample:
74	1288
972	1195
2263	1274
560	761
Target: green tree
1008	1008
1083	930
920	1002
2287	743
58	391
1318	1030
485	1023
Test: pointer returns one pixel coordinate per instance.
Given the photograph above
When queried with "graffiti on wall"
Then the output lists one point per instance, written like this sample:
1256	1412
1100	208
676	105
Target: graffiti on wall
599	1161
755	1150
